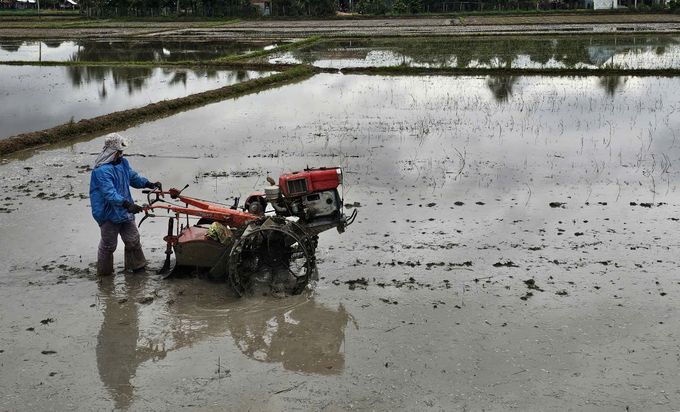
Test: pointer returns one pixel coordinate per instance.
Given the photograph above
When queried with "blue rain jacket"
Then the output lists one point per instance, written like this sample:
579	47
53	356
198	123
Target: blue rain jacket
109	188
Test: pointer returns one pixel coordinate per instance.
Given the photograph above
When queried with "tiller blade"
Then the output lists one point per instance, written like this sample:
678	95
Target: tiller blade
165	270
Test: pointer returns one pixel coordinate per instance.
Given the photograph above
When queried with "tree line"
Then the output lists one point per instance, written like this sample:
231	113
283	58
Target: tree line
245	8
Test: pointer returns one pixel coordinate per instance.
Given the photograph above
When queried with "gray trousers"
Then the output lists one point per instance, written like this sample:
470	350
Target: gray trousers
134	257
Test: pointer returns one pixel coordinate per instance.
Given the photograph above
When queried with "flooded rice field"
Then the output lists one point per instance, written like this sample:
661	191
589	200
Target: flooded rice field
515	250
36	98
123	50
620	51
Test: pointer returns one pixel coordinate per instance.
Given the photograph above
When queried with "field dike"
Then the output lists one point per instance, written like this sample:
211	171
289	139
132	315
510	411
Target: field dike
500	71
288	46
126	118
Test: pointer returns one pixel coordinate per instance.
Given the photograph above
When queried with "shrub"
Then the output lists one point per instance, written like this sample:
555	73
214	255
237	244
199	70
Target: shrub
371	7
400	7
657	7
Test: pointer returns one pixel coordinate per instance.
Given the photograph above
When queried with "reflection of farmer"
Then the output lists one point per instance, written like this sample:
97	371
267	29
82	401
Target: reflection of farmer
307	337
113	207
118	351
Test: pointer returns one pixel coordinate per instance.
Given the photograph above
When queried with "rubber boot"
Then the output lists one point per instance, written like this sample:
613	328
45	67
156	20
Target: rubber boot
135	260
105	266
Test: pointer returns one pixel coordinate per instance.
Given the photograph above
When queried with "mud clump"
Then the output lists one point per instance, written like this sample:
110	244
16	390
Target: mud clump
360	283
352	205
47	321
531	284
508	264
145	300
556	205
49	352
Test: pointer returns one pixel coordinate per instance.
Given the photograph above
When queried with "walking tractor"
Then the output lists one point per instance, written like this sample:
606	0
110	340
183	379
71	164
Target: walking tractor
271	241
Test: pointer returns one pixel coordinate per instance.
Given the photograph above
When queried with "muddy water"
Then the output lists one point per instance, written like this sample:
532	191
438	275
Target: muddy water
37	98
624	51
121	50
454	178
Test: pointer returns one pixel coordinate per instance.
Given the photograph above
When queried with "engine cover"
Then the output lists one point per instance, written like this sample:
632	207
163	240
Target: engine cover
310	181
321	203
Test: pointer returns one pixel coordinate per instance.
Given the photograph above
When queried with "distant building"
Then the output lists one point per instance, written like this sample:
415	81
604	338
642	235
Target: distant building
264	6
605	4
68	4
7	4
26	4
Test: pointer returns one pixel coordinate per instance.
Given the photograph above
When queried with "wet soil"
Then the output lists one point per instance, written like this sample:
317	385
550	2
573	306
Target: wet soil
460	287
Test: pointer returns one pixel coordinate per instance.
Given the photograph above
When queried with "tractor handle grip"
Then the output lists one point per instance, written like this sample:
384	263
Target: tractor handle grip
158	194
146	209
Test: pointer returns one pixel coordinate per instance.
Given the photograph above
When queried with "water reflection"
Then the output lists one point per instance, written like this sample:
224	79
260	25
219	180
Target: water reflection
37	98
501	87
304	338
135	78
610	84
98	51
630	51
298	333
118	354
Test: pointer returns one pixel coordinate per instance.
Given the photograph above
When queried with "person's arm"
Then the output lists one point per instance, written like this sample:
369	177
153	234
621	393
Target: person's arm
104	180
136	180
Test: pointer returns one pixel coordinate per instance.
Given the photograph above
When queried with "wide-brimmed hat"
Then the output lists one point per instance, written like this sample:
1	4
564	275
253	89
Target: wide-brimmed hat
117	142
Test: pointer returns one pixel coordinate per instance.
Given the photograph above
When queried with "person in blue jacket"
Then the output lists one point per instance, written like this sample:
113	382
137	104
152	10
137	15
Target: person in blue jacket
113	207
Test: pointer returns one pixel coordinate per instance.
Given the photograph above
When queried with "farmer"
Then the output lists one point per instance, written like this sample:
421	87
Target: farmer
113	207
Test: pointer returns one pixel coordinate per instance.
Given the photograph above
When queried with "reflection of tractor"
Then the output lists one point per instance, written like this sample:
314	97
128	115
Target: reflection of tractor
272	240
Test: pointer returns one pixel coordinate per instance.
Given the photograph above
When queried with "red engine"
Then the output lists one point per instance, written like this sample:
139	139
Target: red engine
310	181
308	194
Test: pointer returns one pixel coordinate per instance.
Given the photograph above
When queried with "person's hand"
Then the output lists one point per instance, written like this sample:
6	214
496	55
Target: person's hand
132	208
157	185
